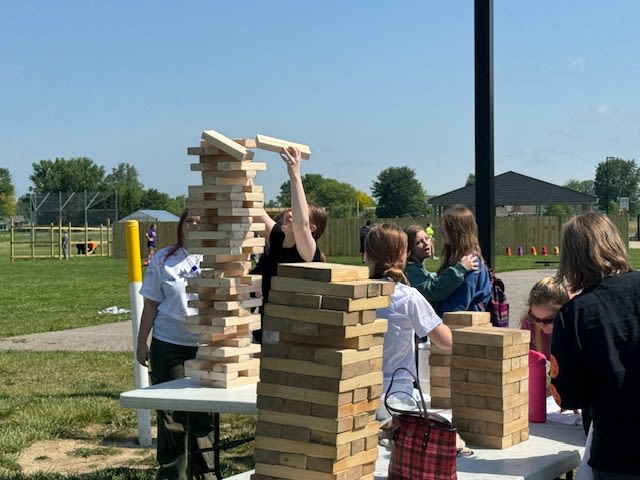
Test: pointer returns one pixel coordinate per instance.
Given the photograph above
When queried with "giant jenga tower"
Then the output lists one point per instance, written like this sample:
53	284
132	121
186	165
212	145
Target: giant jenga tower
490	385
440	360
226	237
321	374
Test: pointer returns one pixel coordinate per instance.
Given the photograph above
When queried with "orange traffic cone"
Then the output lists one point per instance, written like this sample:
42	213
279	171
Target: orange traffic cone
545	252
534	251
508	251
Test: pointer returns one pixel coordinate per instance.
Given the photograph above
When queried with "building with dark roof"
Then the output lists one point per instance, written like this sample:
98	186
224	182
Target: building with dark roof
517	193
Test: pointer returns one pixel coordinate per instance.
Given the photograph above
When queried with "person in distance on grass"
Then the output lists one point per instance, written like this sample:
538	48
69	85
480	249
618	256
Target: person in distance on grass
409	313
595	345
292	240
152	236
164	289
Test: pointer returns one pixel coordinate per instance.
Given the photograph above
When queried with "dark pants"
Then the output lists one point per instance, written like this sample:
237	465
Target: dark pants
167	363
597	475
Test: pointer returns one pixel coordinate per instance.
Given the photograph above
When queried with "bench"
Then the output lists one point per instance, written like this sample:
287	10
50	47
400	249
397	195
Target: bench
548	262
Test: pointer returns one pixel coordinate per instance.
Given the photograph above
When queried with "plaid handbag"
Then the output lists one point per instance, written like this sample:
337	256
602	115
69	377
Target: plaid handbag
423	443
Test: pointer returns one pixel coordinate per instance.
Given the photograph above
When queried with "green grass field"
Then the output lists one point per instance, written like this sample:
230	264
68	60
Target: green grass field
49	395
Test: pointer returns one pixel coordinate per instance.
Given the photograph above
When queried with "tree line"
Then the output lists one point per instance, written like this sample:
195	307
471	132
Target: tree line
396	192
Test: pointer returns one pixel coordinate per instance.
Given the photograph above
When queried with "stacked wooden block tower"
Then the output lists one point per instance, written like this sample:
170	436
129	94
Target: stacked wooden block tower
320	374
490	385
226	237
440	360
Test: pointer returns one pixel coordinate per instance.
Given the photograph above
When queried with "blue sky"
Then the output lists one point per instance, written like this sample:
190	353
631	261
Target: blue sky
367	84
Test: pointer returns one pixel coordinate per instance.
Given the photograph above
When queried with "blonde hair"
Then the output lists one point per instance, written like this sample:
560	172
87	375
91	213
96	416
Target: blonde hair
591	248
548	290
386	250
462	231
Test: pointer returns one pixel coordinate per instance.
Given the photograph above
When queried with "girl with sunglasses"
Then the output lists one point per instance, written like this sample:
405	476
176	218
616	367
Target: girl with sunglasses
545	299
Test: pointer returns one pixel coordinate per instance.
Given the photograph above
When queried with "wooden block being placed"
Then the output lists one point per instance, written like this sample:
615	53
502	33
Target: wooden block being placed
273	144
225	144
323	272
246	142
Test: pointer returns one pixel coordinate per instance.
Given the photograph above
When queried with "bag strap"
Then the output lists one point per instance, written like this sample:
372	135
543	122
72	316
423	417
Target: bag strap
422	406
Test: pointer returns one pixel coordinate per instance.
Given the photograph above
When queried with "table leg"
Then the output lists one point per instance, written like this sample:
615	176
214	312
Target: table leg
216	443
189	447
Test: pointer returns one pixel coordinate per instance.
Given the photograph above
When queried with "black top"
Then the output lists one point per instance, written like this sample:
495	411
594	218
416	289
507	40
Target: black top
268	264
595	349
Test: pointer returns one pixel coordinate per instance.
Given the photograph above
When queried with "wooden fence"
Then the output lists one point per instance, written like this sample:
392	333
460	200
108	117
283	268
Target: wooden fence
30	242
342	236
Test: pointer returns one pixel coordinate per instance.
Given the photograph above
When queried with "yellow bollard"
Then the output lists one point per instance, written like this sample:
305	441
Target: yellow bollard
132	242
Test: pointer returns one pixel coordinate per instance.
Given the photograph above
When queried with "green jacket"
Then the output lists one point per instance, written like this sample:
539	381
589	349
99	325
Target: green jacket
433	287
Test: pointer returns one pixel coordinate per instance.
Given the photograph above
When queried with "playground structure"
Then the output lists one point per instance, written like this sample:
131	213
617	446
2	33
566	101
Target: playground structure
40	242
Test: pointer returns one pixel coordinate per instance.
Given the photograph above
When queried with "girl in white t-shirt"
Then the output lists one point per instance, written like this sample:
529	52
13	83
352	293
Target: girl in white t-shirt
409	313
166	306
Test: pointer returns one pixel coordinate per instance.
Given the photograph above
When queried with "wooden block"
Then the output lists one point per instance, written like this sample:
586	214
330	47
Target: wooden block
351	304
493	391
246	142
328	356
324	317
466	319
285	444
237	382
488	441
485	364
225	144
504	416
491	336
329	425
440	402
304	300
273	144
355	289
496	353
323	272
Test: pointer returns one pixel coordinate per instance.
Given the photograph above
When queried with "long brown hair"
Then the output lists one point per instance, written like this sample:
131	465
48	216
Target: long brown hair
318	217
180	238
386	251
591	248
462	232
411	231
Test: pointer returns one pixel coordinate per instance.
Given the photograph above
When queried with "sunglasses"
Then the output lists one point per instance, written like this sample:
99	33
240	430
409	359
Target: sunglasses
544	321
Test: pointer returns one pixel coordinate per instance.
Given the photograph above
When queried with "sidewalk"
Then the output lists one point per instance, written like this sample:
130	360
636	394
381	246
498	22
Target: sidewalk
117	337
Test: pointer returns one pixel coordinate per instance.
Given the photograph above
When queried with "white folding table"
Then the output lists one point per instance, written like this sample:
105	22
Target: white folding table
551	450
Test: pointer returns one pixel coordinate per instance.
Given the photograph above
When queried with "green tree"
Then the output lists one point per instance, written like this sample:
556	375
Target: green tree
7	194
471	180
558	210
123	180
60	175
155	200
584	186
338	198
177	204
399	194
616	178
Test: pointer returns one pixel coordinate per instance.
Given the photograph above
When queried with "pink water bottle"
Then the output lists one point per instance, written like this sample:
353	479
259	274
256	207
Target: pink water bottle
537	387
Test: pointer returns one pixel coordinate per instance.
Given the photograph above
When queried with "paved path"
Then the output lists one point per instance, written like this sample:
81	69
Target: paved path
117	337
